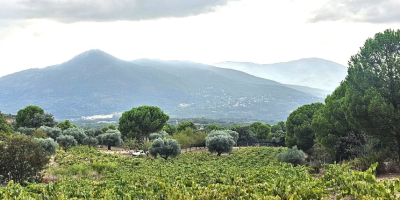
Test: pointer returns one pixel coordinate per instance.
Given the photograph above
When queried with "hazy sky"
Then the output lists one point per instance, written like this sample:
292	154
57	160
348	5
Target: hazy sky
40	33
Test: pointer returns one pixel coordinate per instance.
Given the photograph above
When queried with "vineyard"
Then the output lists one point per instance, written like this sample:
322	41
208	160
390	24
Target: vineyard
248	173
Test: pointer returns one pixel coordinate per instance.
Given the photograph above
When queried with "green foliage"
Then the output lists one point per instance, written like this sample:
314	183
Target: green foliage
52	132
249	173
280	126
25	116
26	130
260	130
39	133
220	142
49	146
298	127
212	127
292	155
186	124
66	141
130	144
90	141
200	139
160	134
140	122
5	128
372	97
78	134
245	134
145	146
111	138
21	159
64	125
165	147
43	120
184	140
170	129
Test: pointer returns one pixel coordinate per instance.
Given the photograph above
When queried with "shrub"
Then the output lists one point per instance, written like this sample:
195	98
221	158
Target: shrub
165	148
49	146
52	132
220	142
21	159
26	131
111	138
77	133
66	141
293	156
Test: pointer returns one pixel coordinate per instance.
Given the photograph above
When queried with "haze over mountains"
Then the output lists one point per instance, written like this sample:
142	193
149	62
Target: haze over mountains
309	72
96	83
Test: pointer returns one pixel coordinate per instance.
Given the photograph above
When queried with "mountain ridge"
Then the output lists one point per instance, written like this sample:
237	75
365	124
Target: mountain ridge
96	83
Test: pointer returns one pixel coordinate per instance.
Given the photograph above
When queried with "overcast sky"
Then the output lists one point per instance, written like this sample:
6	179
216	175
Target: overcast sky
40	33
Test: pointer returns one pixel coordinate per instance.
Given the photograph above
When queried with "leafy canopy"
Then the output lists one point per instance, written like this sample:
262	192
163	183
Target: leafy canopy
140	122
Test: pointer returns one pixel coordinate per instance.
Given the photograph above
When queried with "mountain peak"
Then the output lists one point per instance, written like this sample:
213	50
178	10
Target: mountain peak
93	54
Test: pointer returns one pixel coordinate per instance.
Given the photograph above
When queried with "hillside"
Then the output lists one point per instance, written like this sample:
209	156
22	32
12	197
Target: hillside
310	72
96	83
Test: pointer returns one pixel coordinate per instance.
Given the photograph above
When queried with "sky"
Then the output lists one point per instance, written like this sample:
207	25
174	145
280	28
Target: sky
41	33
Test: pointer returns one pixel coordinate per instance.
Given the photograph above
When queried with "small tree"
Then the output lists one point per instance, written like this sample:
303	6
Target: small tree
49	146
220	142
165	148
130	144
39	133
154	136
5	128
52	132
90	141
25	116
292	155
64	125
184	125
140	122
66	141
111	138
77	133
21	159
26	130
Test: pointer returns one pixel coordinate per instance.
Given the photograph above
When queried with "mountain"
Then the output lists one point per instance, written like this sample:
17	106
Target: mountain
310	72
96	83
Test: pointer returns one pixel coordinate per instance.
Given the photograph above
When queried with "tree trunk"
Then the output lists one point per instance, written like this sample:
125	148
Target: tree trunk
219	153
109	147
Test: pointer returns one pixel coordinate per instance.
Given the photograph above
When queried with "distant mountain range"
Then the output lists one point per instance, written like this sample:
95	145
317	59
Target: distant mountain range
310	72
96	83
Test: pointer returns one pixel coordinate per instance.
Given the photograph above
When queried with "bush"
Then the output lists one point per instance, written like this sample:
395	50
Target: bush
26	131
52	132
66	141
49	146
165	148
293	156
384	158
77	133
111	138
220	142
21	159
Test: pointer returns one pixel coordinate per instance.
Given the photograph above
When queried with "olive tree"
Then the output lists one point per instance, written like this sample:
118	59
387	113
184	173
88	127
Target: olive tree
165	148
49	146
66	141
111	138
77	133
292	155
220	142
52	132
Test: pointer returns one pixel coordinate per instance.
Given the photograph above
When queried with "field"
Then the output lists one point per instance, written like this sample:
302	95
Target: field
247	173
